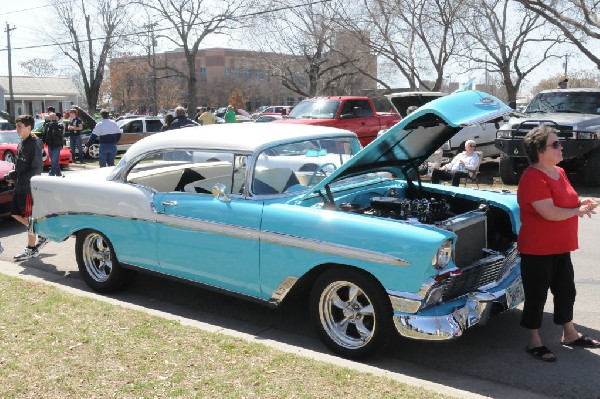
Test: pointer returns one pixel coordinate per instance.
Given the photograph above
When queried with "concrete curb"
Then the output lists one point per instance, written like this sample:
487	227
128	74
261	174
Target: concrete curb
271	339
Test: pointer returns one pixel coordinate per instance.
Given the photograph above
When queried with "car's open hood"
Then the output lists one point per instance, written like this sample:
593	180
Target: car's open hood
407	144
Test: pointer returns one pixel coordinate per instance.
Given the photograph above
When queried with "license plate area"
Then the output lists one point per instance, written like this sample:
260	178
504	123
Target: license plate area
515	294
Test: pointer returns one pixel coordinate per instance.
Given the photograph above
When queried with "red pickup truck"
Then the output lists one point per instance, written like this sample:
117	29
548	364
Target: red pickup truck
356	114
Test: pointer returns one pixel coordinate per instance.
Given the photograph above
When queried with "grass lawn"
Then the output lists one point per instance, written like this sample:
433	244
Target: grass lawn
57	345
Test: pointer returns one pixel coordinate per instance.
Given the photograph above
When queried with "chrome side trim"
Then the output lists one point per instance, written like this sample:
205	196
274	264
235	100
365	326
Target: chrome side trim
250	233
284	288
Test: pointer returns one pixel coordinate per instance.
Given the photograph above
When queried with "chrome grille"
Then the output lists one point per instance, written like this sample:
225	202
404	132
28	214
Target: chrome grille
486	271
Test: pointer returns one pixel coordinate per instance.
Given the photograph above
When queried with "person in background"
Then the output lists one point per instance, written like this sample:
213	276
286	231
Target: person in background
181	120
562	84
461	165
29	163
168	120
230	115
107	133
207	117
52	136
74	133
550	208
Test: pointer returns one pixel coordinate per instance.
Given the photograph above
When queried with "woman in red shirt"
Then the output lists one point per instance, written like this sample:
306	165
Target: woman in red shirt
549	210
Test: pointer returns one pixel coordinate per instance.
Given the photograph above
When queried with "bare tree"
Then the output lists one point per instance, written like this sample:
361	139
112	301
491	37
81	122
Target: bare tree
38	67
507	40
578	20
417	37
93	29
190	23
300	39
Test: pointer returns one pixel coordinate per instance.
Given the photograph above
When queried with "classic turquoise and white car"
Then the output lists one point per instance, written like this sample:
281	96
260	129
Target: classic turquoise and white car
263	210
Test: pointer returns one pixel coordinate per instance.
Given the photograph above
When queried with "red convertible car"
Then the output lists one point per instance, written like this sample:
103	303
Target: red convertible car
9	140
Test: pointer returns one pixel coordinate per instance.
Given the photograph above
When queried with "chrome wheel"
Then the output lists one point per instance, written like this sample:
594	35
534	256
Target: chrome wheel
94	151
97	257
347	315
351	312
10	157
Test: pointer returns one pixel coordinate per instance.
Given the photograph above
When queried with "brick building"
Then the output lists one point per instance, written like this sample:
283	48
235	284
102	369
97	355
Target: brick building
219	71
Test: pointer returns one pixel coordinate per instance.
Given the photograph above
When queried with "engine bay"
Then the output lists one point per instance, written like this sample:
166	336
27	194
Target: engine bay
481	227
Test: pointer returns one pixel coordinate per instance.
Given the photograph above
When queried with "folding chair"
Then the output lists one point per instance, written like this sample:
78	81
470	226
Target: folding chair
473	174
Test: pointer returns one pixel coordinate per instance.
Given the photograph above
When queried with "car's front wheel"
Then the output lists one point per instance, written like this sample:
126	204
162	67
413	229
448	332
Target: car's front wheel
94	151
351	312
510	169
98	263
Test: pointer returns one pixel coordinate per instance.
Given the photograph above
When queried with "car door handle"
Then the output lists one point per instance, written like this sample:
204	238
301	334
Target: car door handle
363	123
169	203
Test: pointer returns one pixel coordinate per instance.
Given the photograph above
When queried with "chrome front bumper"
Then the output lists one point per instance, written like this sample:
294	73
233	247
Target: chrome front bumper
476	310
449	326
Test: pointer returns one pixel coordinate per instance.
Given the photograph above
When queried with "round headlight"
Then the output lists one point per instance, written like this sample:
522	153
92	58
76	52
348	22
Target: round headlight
443	255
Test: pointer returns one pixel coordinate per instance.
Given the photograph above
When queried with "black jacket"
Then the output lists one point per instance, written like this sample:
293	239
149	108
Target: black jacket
53	134
29	164
182	121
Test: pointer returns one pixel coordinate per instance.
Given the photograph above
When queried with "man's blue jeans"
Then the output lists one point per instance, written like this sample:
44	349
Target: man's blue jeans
54	157
107	154
75	141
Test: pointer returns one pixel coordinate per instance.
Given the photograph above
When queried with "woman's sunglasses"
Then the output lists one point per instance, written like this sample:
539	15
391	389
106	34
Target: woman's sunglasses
555	144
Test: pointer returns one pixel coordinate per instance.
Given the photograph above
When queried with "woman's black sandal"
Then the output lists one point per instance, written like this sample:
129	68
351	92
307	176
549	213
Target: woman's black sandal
541	352
584	341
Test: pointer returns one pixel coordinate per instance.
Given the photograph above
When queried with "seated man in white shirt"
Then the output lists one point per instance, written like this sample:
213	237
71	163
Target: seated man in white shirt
460	166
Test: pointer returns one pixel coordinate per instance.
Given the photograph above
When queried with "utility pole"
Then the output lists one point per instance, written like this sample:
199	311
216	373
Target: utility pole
152	62
566	60
10	85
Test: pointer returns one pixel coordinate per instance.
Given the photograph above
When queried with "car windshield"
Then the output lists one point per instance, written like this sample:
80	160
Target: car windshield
301	165
316	109
566	101
9	138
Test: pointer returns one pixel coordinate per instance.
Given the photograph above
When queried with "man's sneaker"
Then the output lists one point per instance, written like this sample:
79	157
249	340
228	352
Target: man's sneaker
42	241
27	253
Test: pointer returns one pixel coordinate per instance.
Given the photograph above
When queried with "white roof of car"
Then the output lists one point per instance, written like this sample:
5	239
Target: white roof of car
240	137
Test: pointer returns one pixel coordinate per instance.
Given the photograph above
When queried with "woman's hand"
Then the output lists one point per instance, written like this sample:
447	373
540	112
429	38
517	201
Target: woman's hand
590	202
586	209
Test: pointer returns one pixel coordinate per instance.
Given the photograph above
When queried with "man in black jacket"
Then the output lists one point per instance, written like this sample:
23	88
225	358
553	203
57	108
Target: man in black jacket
29	163
181	120
53	137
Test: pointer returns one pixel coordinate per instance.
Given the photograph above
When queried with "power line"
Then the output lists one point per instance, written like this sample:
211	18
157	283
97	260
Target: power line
243	16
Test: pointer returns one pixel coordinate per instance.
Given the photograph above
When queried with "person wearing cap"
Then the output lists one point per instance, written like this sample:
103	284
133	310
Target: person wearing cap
562	84
107	133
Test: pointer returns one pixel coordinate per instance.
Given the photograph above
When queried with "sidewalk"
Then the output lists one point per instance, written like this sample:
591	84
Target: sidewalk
275	339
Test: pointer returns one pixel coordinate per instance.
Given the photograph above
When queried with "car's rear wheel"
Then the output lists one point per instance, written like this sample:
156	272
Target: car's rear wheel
9	156
350	312
98	263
